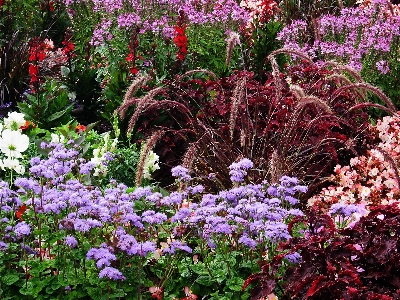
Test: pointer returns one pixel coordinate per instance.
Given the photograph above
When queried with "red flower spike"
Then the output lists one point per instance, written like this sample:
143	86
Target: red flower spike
20	212
180	39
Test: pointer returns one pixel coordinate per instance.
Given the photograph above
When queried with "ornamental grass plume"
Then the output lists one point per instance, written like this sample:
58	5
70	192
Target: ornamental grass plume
304	118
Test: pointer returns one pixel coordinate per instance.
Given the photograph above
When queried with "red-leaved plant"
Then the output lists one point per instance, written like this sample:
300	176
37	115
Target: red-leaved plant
362	262
299	123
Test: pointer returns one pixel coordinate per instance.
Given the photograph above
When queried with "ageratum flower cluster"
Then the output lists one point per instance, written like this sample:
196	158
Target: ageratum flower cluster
248	216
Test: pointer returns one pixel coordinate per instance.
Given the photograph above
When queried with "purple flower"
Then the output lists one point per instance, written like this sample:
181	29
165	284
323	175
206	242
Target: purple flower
181	173
245	240
70	241
383	66
293	257
181	214
344	209
111	273
86	168
152	217
22	229
3	246
103	256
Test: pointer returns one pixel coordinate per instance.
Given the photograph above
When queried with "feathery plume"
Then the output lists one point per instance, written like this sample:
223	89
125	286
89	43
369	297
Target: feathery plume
148	146
232	40
237	98
143	102
366	87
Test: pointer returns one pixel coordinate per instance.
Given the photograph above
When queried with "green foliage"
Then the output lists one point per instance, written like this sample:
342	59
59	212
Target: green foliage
48	108
123	167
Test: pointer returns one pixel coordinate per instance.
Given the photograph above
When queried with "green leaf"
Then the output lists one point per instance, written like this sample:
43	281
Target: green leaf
57	115
91	126
235	284
205	280
10	279
79	140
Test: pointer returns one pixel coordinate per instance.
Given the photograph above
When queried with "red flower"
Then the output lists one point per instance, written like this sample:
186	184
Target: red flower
180	39
27	125
21	211
134	70
80	128
156	292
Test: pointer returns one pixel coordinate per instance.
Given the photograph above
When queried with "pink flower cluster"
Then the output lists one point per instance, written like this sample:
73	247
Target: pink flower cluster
369	180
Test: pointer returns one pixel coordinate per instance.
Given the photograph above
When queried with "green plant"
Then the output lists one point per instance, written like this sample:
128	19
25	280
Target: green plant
49	107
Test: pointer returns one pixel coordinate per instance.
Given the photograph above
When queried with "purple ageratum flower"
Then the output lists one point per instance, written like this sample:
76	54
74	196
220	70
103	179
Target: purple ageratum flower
103	256
126	242
84	225
22	229
245	240
152	217
141	192
239	170
86	168
142	249
111	273
70	241
181	173
293	257
196	189
173	199
155	197
344	209
177	245
181	214
3	246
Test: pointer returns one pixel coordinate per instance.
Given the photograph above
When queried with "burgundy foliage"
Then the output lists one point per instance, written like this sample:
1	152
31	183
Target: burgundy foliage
362	262
267	123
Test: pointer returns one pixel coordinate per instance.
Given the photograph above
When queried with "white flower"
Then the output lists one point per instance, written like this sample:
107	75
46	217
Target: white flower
12	143
14	120
55	138
14	164
150	165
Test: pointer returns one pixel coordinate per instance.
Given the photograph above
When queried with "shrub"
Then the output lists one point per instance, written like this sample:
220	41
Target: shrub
302	129
370	179
361	262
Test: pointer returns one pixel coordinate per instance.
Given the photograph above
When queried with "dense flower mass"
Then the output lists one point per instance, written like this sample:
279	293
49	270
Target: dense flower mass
348	37
371	179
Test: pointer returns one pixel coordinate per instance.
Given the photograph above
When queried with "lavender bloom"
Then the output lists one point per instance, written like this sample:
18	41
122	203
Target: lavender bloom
196	189
70	241
181	214
294	258
28	249
153	218
245	240
344	209
111	273
22	229
181	173
102	255
3	246
86	168
176	245
383	66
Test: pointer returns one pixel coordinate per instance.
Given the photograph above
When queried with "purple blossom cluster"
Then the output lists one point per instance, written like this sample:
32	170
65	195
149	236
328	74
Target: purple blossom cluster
250	216
348	37
239	170
158	18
